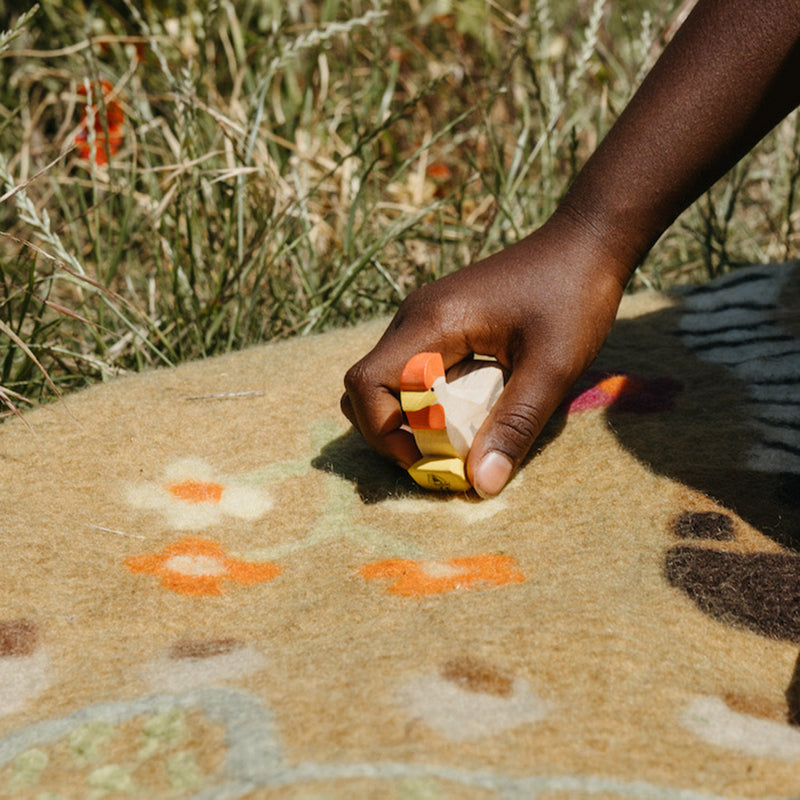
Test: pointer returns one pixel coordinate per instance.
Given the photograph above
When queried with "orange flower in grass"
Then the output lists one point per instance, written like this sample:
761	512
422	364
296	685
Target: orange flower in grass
438	171
111	123
198	567
420	578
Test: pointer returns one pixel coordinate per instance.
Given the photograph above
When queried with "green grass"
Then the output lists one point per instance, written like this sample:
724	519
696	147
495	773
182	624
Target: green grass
290	166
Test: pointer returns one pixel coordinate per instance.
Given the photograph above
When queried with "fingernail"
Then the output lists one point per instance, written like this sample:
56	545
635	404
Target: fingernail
492	474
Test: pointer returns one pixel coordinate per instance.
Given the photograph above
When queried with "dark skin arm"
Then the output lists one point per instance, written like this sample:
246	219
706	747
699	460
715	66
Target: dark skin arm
544	306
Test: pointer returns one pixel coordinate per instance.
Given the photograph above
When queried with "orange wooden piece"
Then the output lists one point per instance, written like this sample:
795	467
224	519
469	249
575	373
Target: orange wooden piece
421	371
430	418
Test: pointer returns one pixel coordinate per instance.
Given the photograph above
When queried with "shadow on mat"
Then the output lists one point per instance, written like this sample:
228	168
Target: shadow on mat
704	441
702	436
374	478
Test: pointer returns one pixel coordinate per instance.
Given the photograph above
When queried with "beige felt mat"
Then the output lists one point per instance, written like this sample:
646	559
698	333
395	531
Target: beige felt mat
212	589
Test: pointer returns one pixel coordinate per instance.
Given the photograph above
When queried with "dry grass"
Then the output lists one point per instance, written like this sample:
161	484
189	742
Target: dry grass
285	167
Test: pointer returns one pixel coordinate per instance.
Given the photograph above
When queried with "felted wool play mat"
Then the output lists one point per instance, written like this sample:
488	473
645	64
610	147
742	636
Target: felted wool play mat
211	587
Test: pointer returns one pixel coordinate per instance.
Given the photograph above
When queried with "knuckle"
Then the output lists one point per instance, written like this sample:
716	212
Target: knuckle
355	379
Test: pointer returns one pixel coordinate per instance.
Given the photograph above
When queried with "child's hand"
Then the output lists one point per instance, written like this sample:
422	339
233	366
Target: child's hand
543	308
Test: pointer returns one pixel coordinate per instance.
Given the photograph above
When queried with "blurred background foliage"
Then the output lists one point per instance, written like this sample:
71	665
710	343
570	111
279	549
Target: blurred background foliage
178	179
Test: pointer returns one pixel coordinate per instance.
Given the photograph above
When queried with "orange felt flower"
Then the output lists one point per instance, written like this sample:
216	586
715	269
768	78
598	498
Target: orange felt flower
420	578
111	123
198	567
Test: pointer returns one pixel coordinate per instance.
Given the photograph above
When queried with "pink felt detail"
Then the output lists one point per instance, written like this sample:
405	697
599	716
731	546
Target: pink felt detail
630	393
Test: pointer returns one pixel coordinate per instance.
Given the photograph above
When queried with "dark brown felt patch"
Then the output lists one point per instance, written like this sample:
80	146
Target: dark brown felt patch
18	637
704	525
476	676
757	591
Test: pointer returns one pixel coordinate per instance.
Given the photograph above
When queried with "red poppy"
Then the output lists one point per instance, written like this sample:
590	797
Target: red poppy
111	123
438	171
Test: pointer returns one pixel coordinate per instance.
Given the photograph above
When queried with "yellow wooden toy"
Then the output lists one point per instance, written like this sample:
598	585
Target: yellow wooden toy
441	474
444	413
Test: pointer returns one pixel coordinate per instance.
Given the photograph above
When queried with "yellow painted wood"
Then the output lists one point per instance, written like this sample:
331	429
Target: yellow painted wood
443	474
434	443
416	401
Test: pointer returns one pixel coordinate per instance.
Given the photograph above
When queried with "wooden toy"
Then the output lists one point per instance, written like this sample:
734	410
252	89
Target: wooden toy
444	412
441	474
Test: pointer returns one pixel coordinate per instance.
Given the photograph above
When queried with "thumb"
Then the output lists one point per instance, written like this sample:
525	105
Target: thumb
508	432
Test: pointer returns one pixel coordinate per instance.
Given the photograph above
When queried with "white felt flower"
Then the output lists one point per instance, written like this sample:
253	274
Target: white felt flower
190	664
711	719
469	700
24	665
192	495
463	507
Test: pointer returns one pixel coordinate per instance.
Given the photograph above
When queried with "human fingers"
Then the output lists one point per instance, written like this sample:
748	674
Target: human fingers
529	398
380	425
425	322
371	403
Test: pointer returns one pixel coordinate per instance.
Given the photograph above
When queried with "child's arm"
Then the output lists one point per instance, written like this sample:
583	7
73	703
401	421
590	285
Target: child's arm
544	306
